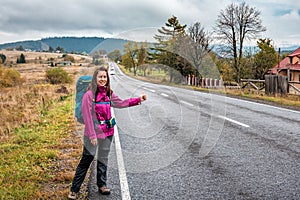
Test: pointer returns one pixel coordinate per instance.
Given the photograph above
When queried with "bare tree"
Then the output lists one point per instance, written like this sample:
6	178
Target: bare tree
195	45
234	25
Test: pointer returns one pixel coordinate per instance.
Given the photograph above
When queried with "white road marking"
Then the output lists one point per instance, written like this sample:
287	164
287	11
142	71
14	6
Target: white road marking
163	94
186	103
149	89
121	167
234	121
266	105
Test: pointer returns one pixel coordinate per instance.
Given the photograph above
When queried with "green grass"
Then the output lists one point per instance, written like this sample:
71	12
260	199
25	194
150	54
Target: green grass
155	75
26	157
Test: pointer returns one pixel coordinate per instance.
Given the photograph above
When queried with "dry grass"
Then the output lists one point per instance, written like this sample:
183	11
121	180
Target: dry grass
26	103
25	120
289	101
33	71
21	105
63	169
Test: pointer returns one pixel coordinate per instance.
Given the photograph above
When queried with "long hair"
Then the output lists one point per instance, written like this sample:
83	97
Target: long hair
94	85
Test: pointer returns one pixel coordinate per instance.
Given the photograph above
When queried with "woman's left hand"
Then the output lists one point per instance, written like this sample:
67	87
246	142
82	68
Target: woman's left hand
94	142
143	97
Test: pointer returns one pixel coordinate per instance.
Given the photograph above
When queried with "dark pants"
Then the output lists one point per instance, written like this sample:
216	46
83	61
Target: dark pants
88	154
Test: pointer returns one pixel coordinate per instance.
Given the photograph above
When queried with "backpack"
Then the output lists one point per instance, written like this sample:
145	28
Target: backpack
81	87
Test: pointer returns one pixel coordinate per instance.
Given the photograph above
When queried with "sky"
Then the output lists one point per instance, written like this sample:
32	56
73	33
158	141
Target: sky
36	19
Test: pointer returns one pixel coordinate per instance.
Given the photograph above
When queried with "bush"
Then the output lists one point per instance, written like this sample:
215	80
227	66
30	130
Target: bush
21	59
10	77
68	58
58	76
2	58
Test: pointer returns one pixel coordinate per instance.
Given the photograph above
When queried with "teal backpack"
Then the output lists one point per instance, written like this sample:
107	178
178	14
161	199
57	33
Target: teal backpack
81	87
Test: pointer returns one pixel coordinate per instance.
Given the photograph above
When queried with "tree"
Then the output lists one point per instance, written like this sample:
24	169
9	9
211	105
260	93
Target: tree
265	59
195	46
68	57
2	58
60	49
167	49
20	48
131	50
50	49
142	53
126	61
21	59
142	56
99	56
115	55
236	24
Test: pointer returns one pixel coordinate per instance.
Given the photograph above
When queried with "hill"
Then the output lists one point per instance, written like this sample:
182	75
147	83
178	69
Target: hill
69	44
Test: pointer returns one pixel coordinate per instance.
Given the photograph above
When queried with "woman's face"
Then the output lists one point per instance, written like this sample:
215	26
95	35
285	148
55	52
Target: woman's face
101	78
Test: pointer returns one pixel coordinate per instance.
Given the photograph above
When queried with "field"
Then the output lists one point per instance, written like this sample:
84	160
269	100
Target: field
39	140
24	103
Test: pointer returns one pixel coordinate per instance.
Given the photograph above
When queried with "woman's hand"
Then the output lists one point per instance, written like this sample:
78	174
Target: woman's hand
143	97
94	142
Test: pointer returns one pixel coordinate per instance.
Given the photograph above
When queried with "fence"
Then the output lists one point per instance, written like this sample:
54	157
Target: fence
258	85
294	87
204	82
276	84
273	84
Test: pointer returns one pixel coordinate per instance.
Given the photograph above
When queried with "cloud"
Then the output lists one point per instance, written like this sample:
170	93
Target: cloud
33	19
282	12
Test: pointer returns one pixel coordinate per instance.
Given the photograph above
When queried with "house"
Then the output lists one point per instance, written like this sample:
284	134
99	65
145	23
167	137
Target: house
290	67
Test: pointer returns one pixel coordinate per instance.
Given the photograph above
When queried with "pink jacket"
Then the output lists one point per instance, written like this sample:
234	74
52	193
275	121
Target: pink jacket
101	112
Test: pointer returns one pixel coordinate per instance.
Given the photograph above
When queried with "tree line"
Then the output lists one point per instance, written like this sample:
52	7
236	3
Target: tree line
181	50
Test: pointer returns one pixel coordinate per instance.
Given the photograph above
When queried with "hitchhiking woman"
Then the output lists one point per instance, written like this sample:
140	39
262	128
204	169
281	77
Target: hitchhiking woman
99	129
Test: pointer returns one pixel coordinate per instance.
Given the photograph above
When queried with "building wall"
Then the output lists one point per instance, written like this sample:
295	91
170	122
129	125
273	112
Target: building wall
296	77
282	73
295	60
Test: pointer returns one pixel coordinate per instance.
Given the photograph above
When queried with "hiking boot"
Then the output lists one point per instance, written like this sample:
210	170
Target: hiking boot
72	195
104	190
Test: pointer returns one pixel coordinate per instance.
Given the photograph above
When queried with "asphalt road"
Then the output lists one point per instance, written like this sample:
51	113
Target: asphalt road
182	144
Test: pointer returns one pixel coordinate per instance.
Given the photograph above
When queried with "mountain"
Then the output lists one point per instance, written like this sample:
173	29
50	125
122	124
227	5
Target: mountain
91	44
287	49
70	44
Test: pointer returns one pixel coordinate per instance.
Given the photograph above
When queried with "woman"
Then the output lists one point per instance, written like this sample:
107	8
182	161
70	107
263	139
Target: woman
98	129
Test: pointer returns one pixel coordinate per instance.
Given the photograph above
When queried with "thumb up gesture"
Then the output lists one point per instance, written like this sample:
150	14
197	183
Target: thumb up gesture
143	97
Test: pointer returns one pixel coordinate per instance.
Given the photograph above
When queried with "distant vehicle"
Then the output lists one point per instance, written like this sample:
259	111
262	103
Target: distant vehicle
112	72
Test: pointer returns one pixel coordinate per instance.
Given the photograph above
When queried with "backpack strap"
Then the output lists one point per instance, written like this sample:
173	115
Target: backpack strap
102	102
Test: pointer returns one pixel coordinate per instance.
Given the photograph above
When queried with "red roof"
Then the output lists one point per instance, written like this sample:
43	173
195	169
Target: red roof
285	63
295	53
294	66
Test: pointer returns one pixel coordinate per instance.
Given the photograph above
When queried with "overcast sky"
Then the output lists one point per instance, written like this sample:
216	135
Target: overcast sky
36	19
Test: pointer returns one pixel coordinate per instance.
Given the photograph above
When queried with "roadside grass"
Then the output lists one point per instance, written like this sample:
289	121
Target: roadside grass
40	145
29	157
24	104
155	76
290	101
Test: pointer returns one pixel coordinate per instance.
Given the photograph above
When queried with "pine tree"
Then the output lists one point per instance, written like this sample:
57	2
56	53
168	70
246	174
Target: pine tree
167	48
